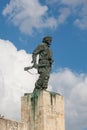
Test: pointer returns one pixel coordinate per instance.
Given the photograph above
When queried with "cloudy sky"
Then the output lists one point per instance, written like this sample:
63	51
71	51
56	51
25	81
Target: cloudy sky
23	24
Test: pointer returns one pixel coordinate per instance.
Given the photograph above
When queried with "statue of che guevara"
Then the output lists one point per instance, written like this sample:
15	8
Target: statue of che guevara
44	64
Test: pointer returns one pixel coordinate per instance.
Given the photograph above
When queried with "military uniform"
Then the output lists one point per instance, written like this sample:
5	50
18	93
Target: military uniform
44	64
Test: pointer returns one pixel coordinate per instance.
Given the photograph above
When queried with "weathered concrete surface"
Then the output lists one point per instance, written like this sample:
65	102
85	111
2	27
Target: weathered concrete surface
39	111
6	124
43	111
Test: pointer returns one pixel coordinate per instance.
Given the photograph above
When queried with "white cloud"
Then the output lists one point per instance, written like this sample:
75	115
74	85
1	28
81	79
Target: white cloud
81	23
64	13
72	2
52	1
28	15
76	8
81	20
14	82
74	89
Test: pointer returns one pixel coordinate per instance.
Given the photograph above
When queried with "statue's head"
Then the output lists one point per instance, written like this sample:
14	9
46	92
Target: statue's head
47	39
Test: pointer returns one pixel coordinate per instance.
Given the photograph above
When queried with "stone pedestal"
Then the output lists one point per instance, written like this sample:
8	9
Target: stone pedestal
43	111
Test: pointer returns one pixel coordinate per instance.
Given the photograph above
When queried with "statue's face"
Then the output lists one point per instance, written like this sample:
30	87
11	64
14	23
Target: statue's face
49	41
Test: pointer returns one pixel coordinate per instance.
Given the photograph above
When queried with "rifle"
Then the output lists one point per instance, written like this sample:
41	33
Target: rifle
30	67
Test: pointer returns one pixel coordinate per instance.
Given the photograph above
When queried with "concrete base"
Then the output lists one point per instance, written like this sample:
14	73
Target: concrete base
43	110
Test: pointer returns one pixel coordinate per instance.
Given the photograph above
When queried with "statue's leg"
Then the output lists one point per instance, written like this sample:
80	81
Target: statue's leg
38	83
45	77
45	80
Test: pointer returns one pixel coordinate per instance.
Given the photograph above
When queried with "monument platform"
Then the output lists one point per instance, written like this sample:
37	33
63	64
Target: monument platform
43	110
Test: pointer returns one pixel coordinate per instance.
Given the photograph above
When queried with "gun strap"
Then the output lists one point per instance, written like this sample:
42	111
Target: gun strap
31	73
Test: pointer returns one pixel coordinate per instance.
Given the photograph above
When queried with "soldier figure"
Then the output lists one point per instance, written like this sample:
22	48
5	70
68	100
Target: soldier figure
44	63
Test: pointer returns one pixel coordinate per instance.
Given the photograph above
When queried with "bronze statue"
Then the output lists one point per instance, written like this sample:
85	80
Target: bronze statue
44	64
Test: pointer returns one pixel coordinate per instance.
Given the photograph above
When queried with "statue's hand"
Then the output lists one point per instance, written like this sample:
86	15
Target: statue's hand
32	61
26	68
35	65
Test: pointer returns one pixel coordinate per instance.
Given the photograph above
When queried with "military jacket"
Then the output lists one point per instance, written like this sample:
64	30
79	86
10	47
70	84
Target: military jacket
45	55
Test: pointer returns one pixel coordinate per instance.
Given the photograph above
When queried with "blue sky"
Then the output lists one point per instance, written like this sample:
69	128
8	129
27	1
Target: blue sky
23	24
69	41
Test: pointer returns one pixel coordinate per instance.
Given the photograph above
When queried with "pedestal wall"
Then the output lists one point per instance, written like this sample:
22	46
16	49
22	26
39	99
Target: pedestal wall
43	111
